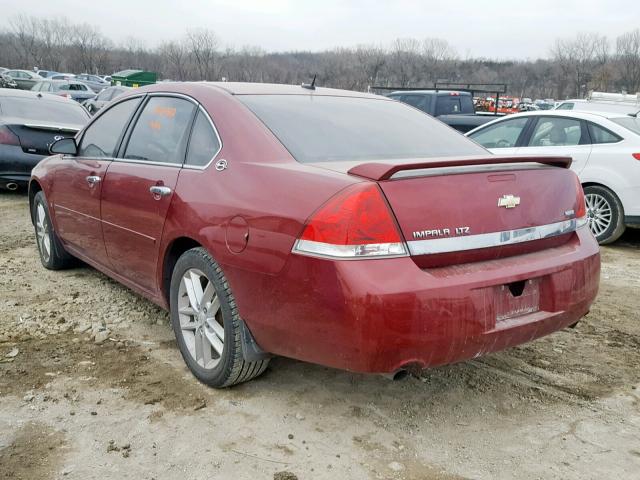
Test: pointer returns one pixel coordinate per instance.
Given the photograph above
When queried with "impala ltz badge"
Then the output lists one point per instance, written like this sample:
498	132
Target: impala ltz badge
508	201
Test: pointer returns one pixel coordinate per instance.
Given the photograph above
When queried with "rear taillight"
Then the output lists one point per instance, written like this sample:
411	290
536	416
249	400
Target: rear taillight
7	137
355	223
581	207
636	156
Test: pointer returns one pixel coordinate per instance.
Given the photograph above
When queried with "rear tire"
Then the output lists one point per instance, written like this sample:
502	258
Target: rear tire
605	214
206	322
52	254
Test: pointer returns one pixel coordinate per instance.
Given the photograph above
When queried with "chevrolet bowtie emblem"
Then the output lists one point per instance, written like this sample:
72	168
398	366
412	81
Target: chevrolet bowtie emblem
508	201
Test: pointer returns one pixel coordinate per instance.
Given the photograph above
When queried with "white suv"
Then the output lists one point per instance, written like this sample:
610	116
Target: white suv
605	148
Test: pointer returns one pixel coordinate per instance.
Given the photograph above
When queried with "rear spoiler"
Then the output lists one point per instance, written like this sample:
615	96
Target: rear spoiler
55	128
385	170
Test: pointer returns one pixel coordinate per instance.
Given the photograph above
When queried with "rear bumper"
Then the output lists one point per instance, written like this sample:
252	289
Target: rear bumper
16	165
381	315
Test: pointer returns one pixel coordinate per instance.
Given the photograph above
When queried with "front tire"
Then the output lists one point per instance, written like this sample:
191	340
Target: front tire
53	256
605	214
206	322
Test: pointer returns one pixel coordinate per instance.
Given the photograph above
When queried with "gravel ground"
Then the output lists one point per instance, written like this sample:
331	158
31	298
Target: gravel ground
92	386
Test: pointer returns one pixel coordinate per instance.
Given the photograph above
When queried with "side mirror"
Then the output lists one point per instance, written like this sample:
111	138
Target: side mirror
65	146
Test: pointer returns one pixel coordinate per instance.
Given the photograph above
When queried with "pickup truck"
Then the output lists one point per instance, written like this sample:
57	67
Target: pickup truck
455	108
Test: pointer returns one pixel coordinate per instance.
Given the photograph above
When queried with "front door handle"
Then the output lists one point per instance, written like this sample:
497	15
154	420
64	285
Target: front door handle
93	179
160	191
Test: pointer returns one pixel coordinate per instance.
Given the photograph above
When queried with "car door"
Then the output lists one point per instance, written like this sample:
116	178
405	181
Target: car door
560	135
503	137
78	182
138	187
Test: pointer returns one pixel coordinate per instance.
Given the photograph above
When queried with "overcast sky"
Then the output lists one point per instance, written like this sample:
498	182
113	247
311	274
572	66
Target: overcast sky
498	28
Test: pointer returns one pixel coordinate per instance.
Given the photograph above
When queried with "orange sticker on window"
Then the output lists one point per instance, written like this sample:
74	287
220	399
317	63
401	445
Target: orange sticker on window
168	112
154	124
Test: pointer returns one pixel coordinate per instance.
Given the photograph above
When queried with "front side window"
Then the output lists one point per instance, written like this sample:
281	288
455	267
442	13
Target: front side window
421	102
203	144
556	132
327	128
161	131
601	135
101	138
502	134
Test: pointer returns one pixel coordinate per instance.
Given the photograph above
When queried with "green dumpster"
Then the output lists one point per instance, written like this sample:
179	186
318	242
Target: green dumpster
133	78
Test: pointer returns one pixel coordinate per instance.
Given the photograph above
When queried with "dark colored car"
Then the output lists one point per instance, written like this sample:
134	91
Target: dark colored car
24	78
29	123
104	97
72	89
454	108
7	82
329	226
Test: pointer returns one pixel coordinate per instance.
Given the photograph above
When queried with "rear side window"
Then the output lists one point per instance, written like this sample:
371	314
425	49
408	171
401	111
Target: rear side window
556	132
502	134
565	106
101	137
601	135
203	144
317	128
160	133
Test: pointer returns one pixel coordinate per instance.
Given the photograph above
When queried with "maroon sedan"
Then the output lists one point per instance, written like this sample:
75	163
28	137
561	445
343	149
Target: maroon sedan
329	226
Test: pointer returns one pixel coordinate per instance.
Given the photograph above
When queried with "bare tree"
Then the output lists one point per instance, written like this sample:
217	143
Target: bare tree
579	57
203	46
628	57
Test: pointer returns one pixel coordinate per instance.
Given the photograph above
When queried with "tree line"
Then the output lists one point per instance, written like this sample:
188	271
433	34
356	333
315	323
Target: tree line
587	61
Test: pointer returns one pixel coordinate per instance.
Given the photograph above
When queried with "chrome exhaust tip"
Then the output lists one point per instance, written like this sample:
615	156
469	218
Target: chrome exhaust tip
12	186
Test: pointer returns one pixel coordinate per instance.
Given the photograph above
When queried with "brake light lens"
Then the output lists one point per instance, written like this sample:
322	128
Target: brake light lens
355	223
636	156
581	206
7	137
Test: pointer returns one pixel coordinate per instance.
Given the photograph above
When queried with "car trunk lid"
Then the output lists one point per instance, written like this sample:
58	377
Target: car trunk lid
36	137
471	209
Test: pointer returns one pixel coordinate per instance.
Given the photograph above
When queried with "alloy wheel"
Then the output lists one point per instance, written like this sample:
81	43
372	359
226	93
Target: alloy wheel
201	323
42	233
599	213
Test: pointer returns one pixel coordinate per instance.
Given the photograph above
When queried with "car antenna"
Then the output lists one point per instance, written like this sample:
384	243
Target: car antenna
310	86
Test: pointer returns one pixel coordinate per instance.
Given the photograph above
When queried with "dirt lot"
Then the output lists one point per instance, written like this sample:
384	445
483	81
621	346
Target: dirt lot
566	406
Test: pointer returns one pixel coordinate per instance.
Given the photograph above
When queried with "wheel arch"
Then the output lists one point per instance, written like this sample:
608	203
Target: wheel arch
172	253
34	188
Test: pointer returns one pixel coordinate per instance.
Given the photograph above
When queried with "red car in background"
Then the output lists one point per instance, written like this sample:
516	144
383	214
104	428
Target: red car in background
330	226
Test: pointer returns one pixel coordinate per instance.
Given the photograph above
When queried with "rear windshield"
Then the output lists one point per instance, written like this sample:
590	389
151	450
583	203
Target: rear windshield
630	123
325	128
41	110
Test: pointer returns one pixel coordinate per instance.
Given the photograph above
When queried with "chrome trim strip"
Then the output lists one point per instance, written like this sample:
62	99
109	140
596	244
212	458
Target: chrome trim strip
493	239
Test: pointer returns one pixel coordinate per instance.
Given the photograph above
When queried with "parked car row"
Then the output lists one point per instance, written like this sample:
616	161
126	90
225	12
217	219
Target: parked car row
26	79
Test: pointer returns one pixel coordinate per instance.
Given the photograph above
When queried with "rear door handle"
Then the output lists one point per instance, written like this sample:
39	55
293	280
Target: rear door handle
93	179
160	191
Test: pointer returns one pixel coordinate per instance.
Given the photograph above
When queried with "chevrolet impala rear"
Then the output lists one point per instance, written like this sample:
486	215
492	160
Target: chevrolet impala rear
334	227
436	252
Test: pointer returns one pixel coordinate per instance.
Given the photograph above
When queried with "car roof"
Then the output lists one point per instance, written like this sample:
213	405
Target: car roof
242	88
15	93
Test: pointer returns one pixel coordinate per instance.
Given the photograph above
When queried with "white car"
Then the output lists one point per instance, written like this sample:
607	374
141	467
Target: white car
605	148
